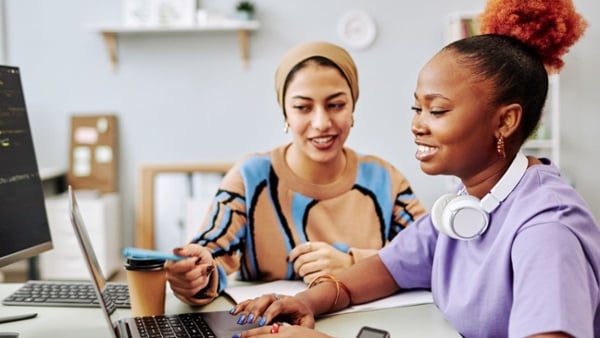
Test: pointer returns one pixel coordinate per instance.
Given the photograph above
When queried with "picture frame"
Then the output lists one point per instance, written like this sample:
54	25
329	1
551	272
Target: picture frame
159	13
166	213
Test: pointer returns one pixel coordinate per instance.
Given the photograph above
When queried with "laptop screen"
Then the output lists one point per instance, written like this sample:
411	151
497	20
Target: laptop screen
106	303
214	323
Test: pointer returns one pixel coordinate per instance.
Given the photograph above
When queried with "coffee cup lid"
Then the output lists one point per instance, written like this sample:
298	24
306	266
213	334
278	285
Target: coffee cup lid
146	264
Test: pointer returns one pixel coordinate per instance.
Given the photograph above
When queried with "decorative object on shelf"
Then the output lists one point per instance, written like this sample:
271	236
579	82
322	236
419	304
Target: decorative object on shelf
179	13
461	25
139	13
245	10
357	29
159	13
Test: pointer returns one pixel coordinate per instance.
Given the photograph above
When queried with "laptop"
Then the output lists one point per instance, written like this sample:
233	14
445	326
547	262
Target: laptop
194	324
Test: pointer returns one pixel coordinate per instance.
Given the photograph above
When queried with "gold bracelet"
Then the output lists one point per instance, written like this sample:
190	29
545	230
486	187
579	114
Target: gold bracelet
338	285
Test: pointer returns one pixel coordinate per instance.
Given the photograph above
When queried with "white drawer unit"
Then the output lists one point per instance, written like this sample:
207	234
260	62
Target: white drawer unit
101	216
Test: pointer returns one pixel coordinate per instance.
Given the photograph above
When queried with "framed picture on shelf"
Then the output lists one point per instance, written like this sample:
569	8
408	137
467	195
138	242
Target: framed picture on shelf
461	25
159	13
140	13
176	13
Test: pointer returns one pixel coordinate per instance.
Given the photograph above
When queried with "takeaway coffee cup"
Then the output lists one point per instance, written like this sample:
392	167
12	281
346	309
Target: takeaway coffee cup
146	280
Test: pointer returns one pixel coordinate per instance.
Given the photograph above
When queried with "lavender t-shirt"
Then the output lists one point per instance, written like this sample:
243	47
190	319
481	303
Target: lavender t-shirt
536	269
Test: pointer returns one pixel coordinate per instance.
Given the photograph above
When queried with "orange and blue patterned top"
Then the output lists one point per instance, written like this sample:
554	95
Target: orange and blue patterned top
262	210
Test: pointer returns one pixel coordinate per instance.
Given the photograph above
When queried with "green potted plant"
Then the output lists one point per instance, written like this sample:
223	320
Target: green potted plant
245	10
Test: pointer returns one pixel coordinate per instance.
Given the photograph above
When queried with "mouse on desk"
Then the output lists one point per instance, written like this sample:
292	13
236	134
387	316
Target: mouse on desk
9	335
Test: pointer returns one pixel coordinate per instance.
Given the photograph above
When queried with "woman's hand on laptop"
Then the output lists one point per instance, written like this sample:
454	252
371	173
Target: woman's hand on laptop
282	331
190	279
270	308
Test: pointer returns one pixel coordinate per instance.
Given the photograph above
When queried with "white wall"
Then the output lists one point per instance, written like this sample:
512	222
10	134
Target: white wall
186	98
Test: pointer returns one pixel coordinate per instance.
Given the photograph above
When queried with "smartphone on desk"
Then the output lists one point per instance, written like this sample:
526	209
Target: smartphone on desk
371	332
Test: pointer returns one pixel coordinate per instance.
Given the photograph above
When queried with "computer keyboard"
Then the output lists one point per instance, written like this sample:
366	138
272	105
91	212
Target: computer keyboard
71	294
177	325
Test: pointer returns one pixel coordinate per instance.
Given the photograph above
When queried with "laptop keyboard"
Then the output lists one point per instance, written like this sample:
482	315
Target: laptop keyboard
70	294
181	325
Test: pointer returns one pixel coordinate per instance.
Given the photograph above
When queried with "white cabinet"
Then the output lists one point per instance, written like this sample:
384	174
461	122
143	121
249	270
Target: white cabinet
546	141
52	183
101	217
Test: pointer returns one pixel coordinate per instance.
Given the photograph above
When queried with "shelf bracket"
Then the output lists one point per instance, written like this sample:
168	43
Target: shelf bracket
244	37
110	39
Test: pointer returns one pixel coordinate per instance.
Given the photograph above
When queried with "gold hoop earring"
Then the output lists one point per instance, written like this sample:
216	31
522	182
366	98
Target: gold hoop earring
500	147
286	127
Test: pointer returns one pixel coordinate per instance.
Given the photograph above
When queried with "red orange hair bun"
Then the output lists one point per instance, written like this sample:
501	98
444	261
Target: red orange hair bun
549	26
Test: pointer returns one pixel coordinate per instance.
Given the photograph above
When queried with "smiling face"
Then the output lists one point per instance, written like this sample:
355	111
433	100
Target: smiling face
455	126
319	107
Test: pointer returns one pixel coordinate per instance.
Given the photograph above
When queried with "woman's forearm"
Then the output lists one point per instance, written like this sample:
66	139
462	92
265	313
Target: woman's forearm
334	293
379	284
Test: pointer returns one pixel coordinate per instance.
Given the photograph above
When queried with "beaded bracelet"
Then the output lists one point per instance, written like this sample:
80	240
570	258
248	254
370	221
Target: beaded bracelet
339	285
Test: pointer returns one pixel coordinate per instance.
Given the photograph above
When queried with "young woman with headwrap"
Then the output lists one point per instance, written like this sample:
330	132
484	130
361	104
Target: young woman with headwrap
306	208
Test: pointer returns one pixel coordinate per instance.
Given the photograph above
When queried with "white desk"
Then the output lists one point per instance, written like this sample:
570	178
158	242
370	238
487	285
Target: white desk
413	321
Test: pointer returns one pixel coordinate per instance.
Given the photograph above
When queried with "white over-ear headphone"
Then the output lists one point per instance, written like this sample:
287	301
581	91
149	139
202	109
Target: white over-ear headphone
465	216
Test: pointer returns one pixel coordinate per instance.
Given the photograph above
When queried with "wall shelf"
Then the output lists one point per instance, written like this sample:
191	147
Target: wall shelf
243	29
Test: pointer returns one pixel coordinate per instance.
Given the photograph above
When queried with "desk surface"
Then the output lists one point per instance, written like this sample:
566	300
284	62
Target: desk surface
412	321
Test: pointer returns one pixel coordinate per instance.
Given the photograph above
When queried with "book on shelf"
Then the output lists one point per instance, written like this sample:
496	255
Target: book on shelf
461	25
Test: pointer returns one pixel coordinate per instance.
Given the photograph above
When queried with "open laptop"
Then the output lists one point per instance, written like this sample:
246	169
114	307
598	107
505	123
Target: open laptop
195	324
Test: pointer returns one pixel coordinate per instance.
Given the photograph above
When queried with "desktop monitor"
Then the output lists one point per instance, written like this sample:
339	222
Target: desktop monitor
24	229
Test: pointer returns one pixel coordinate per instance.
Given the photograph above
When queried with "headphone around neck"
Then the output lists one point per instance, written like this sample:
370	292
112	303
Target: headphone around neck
465	216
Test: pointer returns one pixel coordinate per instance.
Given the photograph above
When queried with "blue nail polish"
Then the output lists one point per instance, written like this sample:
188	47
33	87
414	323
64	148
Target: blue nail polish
250	318
236	335
262	321
232	310
242	319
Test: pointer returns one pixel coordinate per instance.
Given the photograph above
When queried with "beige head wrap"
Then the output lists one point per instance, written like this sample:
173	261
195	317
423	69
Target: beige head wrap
332	52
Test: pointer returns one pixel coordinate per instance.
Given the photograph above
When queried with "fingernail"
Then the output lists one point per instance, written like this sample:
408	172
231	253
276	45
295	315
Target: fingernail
262	321
232	310
199	260
236	335
242	319
250	318
210	269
